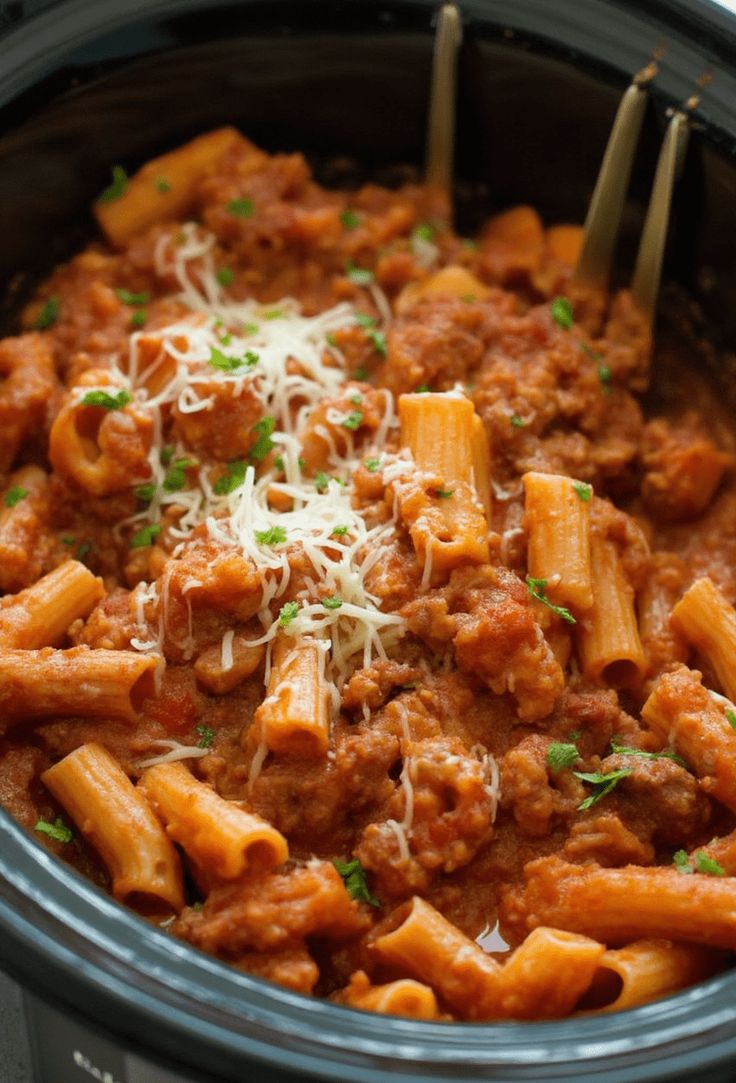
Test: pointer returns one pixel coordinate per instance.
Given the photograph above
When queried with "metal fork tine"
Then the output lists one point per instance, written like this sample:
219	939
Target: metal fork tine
443	93
648	269
606	206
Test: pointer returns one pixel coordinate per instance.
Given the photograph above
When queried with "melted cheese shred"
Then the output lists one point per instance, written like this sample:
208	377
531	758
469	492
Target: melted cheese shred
289	367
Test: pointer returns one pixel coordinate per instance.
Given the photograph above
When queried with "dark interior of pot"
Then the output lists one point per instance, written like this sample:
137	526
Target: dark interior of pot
532	126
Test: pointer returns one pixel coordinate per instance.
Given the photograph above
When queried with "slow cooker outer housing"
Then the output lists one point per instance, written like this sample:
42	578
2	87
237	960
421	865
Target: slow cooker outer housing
91	82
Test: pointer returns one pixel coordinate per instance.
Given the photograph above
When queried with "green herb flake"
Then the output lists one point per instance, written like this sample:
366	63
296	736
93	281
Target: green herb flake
221	361
350	219
83	549
116	188
731	719
356	399
206	737
361	373
378	340
443	494
626	750
68	539
371	465
198	906
274	314
165	455
106	400
603	784
364	320
561	310
331	340
275	535
423	389
226	339
352	420
469	244
517	422
339	531
263	430
145	492
359	276
176	477
682	863
537	589
561	755
332	603
145	536
583	490
14	495
162	185
708	865
250	329
353	875
423	232
129	298
288	612
225	275
138	318
321	480
232	479
241	208
58	830
606	377
48	314
594	355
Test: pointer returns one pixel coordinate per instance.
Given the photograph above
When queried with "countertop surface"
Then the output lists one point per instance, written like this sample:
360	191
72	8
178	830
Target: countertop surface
15	1066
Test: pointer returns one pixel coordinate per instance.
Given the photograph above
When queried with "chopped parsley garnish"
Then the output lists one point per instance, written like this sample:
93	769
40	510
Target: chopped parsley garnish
332	603
138	318
561	310
145	492
602	783
537	589
288	612
594	355
206	735
278	462
352	420
273	314
339	531
625	750
371	465
162	185
361	373
222	361
145	536
443	494
225	275
423	232
14	495
605	376
116	188
68	539
48	314
364	320
331	340
731	719
703	863
379	342
176	476
560	755
226	339
58	830
423	389
517	422
165	455
263	430
470	244
241	208
129	298
275	535
232	479
583	490
106	400
350	219
82	549
250	329
353	875
359	276
356	399
321	480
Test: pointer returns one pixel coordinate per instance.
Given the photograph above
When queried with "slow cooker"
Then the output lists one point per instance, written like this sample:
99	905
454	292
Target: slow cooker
86	83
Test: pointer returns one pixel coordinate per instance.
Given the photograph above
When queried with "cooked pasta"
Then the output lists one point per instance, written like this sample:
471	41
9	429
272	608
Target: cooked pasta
352	608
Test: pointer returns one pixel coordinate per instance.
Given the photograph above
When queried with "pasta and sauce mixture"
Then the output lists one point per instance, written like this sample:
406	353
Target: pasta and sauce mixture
358	628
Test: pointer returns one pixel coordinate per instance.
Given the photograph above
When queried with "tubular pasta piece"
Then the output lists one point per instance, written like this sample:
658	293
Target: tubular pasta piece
608	639
629	903
294	717
78	681
558	524
482	478
434	950
219	835
546	975
40	615
403	997
114	817
687	716
144	202
647	970
708	622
